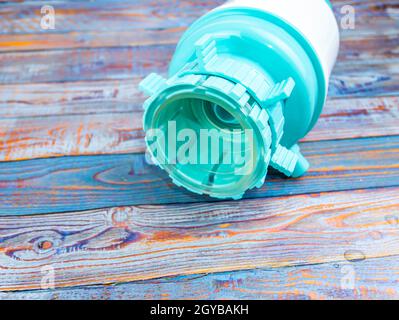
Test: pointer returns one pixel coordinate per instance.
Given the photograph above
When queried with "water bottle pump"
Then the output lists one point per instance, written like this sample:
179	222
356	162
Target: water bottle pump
253	74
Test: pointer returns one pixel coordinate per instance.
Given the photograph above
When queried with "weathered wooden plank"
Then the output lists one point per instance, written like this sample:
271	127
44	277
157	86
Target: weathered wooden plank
372	279
84	64
374	73
70	98
364	64
146	242
100	16
113	234
357	118
354	48
371	78
79	98
74	40
73	17
380	43
24	18
58	136
84	183
370	14
375	47
358	49
106	118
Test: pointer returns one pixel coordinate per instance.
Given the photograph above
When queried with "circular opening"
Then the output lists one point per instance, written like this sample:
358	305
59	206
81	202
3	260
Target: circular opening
208	145
222	115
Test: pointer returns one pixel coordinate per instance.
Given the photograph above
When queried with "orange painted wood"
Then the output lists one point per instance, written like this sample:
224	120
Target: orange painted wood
146	242
90	39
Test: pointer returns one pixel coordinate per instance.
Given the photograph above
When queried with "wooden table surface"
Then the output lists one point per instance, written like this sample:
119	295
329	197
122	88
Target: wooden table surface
77	196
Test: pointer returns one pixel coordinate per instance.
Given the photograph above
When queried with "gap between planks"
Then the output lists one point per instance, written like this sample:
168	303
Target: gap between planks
147	242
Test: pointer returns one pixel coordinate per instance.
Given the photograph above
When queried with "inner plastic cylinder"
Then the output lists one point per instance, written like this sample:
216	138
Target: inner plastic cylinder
206	146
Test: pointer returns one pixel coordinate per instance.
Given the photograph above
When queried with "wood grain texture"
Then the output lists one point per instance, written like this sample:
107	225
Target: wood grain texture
84	183
368	42
89	39
63	135
73	91
98	79
84	64
357	118
70	98
372	280
106	118
91	18
102	16
146	242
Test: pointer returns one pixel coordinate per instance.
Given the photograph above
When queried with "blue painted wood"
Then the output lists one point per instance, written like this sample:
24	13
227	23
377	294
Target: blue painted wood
82	183
367	279
150	242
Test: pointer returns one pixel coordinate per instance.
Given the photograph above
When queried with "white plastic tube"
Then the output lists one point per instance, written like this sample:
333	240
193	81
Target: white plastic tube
314	19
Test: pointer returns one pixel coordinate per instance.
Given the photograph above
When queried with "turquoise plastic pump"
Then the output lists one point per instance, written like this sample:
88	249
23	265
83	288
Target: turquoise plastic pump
236	70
